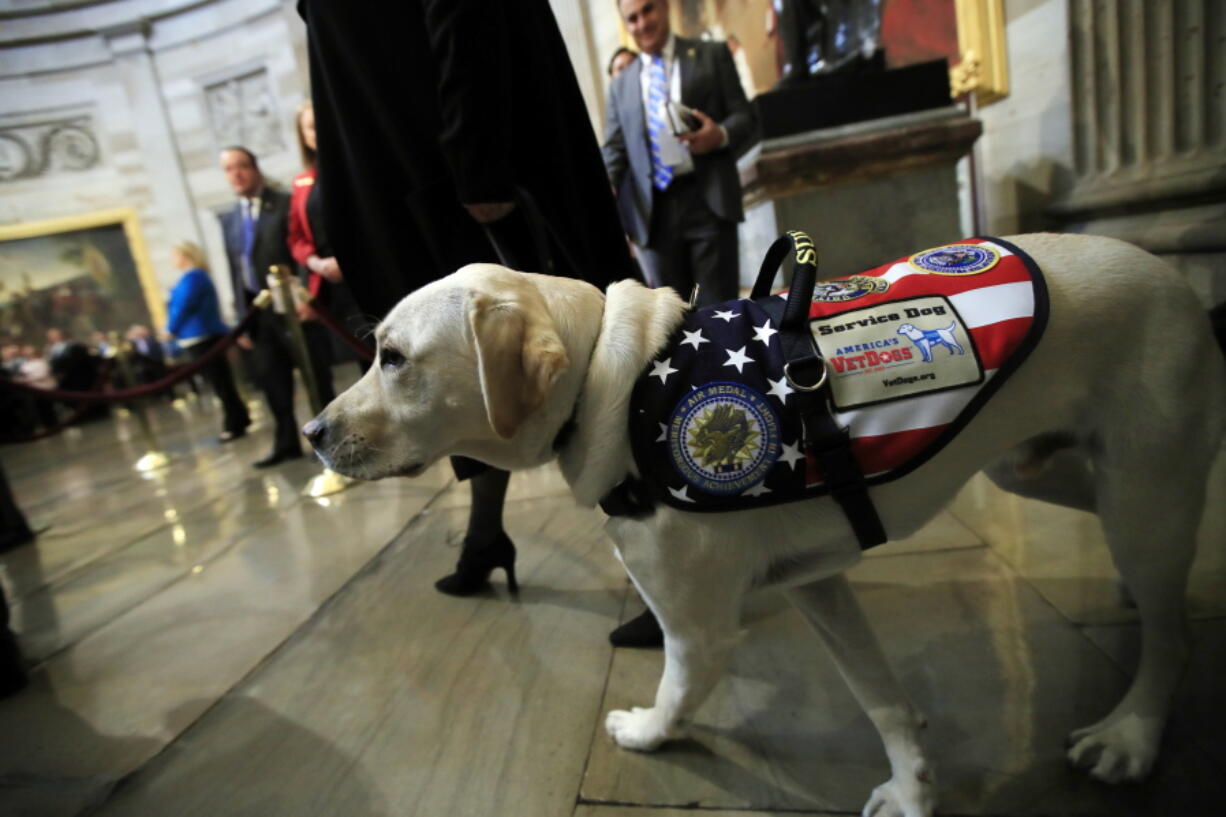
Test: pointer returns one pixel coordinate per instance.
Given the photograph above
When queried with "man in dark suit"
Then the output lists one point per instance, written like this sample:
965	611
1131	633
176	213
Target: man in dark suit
678	191
438	121
255	236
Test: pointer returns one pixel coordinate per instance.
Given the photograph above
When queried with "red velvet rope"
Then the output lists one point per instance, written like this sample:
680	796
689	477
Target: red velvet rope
177	375
85	399
327	319
104	372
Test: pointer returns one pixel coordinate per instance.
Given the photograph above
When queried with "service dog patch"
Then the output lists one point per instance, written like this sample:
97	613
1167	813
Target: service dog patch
912	348
895	350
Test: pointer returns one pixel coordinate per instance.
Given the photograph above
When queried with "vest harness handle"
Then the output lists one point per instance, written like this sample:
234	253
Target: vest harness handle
805	370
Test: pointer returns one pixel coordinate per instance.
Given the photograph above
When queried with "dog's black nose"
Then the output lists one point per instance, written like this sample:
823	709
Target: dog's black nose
315	431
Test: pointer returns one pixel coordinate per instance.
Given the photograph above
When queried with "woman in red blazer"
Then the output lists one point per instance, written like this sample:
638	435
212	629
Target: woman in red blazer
309	245
304	216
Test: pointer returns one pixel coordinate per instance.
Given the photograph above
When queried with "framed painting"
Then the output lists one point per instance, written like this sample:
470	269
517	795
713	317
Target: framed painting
968	34
80	274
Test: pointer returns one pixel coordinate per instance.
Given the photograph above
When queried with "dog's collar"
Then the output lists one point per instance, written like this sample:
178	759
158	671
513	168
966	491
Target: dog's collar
631	497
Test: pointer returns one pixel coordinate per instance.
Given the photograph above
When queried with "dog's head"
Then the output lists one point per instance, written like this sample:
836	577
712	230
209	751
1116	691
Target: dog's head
463	365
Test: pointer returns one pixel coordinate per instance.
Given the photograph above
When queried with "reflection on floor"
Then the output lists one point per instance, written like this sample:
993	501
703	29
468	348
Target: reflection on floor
206	641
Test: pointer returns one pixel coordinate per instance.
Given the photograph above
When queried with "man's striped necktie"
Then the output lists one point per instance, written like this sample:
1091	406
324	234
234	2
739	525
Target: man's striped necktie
657	96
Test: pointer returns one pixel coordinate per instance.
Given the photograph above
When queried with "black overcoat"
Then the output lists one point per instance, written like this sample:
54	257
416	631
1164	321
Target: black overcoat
423	104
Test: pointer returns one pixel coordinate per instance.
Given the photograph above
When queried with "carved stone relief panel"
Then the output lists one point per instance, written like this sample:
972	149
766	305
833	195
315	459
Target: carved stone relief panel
243	111
44	147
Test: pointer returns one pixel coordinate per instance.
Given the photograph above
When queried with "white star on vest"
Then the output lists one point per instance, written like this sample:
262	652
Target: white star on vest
694	339
738	358
780	388
792	454
683	494
663	433
662	369
726	315
758	490
764	332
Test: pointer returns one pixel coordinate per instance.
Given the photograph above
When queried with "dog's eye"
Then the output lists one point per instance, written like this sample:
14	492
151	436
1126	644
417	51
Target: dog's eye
390	358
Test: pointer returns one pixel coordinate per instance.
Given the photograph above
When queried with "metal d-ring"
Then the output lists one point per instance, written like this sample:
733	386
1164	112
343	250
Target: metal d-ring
787	374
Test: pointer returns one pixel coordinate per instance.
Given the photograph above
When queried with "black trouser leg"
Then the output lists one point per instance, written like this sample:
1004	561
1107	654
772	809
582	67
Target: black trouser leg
274	363
319	346
14	530
691	245
489	492
711	255
221	379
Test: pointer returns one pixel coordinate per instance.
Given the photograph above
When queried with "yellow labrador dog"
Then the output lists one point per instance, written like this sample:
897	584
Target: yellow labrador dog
1126	381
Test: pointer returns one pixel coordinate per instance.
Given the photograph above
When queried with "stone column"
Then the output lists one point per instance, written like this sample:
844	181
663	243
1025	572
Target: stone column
575	23
1149	99
172	216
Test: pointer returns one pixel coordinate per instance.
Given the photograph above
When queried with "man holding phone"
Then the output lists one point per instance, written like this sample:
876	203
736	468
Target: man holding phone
676	122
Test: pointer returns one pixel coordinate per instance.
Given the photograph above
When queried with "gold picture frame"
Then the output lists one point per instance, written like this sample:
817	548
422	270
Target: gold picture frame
983	64
984	67
99	258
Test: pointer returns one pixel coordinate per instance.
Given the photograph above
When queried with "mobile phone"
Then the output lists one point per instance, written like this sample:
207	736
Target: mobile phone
682	118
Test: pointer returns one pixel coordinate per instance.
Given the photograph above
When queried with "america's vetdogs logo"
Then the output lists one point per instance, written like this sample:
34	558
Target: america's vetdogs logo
956	259
865	356
857	286
724	438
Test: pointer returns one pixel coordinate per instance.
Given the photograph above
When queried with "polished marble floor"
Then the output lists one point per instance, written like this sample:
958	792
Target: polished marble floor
207	641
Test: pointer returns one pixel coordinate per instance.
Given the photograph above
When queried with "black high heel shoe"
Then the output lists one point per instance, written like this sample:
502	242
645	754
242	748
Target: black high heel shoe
477	562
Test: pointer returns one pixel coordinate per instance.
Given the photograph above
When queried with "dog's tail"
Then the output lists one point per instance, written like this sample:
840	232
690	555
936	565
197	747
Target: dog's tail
951	326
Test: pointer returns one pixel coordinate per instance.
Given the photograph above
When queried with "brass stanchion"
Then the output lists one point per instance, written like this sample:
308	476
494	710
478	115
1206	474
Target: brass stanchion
328	482
154	458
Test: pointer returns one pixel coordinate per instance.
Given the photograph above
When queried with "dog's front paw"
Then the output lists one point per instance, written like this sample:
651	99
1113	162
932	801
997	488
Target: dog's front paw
1118	750
640	729
912	796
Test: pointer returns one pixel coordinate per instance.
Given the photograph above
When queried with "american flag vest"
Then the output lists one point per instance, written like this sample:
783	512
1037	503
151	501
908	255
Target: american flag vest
912	349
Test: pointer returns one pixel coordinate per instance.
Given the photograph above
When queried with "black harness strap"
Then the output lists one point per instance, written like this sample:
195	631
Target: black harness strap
805	370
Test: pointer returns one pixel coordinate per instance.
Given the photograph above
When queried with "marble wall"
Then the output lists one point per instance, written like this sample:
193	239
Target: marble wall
125	104
1025	154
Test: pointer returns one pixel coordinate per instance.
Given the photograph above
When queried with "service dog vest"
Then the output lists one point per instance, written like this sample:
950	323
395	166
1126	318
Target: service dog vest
913	349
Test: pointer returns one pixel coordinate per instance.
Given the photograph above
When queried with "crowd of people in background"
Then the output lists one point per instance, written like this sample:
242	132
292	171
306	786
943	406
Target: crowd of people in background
66	364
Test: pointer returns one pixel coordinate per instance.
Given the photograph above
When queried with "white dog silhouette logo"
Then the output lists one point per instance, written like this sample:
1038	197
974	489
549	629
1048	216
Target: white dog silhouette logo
925	339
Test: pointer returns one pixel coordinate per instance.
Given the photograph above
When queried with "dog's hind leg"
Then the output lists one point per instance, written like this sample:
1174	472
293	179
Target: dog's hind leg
1150	524
1150	502
697	599
835	615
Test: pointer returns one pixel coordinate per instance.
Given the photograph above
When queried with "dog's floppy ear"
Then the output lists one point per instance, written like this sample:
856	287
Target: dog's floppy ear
519	355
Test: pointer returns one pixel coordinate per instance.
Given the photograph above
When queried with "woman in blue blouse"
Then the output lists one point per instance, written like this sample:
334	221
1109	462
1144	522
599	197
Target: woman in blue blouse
195	323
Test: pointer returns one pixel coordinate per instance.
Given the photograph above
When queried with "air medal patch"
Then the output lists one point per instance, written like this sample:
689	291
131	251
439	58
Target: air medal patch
723	438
